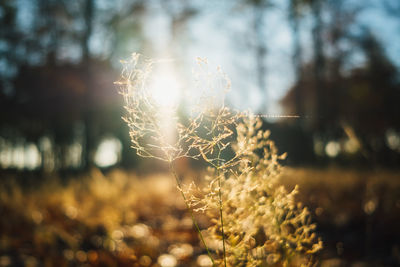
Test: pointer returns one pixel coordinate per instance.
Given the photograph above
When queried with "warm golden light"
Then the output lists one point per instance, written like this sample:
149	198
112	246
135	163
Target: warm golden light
165	87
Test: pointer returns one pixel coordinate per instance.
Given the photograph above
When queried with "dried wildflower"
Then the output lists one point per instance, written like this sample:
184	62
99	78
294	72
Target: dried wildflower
263	223
146	119
257	221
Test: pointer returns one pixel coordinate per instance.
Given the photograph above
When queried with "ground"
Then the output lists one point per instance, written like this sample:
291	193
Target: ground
120	218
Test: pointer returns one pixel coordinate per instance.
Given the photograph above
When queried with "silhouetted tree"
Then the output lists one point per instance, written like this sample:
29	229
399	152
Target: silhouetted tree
259	9
52	81
294	17
364	98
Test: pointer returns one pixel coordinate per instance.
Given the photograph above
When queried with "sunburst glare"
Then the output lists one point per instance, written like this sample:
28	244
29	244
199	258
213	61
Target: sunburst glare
165	86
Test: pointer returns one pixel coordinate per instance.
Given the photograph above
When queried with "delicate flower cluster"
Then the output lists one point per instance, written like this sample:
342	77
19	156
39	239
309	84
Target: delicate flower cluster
145	118
258	222
263	224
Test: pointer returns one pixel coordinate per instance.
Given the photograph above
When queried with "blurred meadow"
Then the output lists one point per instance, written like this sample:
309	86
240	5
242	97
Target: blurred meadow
80	186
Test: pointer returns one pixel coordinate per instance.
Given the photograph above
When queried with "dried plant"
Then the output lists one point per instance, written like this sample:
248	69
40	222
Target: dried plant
145	118
257	221
263	224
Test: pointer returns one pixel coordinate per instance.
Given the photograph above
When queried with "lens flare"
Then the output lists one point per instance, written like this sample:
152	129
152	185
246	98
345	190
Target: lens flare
165	88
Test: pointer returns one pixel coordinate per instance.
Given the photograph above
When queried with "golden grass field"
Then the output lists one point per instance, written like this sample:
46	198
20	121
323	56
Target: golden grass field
120	219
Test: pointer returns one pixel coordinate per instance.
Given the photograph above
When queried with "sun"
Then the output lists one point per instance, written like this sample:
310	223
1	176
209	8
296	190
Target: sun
165	87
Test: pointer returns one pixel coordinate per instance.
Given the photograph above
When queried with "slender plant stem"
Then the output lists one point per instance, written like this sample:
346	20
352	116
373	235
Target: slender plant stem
220	208
179	185
221	218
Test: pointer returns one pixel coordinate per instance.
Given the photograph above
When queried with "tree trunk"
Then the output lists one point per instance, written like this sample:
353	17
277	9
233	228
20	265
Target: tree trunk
319	64
89	144
294	21
260	53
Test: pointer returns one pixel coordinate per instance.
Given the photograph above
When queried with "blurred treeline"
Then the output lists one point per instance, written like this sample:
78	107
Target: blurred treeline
59	58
